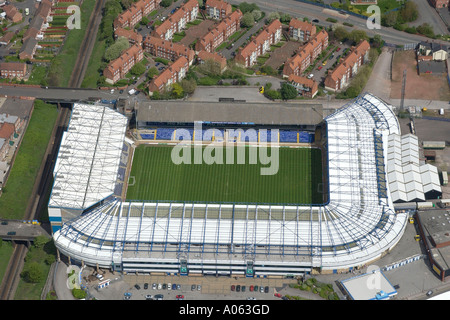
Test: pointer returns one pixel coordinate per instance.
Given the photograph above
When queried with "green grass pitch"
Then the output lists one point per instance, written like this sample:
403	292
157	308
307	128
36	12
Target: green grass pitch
154	177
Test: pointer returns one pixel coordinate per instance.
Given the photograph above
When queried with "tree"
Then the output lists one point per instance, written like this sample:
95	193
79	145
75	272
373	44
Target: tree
389	19
409	12
247	7
257	14
247	20
177	91
188	85
340	33
166	3
288	92
138	69
357	36
273	16
32	272
153	71
115	50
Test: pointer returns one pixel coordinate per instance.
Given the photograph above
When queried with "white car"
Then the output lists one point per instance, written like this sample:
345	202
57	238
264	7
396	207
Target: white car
154	286
159	286
169	286
310	76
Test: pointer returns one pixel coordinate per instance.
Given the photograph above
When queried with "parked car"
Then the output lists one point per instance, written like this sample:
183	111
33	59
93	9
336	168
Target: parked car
233	287
338	49
159	286
193	287
251	288
178	286
137	286
278	295
319	68
159	297
169	286
199	287
266	289
238	288
174	287
164	286
154	286
256	288
261	289
315	20
243	288
146	286
148	297
179	297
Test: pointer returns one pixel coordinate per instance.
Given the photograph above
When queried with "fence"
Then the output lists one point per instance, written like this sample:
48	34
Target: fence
403	262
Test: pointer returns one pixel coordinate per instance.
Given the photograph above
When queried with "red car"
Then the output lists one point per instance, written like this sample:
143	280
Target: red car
338	49
180	297
251	288
278	295
319	68
233	287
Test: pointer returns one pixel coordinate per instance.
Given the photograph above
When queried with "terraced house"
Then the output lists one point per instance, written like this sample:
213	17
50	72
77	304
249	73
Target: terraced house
217	9
132	36
118	68
174	73
13	70
133	15
306	55
340	77
167	49
223	30
260	44
178	20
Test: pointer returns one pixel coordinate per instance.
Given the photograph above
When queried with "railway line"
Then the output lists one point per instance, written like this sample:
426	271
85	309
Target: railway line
37	200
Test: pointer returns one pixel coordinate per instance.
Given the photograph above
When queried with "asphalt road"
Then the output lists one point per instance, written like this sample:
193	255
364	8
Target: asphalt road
301	10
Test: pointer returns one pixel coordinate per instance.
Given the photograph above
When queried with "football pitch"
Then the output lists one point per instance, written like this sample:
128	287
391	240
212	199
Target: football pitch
155	177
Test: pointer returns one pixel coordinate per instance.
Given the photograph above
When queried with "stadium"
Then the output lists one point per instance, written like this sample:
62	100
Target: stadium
119	201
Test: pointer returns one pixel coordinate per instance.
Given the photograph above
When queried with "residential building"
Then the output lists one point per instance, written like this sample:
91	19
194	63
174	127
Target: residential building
118	68
178	20
167	49
432	51
12	13
222	31
439	3
6	38
13	70
260	44
340	77
28	48
217	9
203	56
174	73
305	87
306	55
44	10
301	30
133	15
35	29
132	36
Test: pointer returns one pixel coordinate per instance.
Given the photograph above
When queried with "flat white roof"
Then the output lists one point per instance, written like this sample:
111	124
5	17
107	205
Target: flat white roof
369	286
88	159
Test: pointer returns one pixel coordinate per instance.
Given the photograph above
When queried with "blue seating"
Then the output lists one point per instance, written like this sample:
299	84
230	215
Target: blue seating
164	134
184	134
148	136
249	135
288	136
266	135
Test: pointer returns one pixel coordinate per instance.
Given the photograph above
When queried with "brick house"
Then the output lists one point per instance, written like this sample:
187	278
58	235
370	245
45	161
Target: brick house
306	55
260	44
132	36
133	15
12	13
13	70
203	56
28	49
222	31
301	30
305	87
340	77
174	73
167	49
217	9
118	68
178	20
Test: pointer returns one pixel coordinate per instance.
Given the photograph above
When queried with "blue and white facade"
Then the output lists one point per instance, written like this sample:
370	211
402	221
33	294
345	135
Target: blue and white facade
355	226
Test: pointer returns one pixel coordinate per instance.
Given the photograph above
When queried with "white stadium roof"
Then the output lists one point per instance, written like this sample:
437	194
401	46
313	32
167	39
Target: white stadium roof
88	159
355	227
